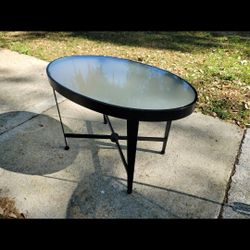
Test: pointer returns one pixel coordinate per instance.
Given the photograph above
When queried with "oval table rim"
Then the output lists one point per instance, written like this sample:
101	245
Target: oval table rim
120	111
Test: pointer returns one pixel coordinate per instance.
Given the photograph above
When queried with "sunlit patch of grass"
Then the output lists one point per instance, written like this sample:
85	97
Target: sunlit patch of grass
20	47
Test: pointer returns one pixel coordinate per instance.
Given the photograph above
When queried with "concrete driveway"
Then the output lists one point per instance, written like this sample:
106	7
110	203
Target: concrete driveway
204	173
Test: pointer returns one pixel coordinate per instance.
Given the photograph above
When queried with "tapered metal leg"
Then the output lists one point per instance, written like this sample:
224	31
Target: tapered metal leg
132	132
168	125
57	106
104	119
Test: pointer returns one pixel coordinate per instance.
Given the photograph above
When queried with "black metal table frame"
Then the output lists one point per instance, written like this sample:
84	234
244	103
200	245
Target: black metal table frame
132	115
132	138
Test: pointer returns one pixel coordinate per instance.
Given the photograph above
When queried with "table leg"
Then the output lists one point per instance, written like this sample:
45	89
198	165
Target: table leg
60	118
168	125
104	119
132	132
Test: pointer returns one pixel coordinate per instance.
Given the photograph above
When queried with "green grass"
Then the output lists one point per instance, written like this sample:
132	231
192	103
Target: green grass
216	63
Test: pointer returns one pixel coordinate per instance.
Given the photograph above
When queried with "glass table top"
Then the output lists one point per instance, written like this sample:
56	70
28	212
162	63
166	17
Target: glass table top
121	82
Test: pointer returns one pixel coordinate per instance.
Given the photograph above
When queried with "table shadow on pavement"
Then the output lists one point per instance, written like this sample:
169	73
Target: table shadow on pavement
100	195
35	147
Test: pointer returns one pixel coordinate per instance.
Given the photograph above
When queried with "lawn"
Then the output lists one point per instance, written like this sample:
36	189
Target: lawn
216	63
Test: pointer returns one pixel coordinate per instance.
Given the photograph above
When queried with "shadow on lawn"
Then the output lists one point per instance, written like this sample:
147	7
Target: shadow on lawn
177	41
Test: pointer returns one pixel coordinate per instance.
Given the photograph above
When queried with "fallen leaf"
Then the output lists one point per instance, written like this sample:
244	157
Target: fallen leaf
12	215
246	106
243	62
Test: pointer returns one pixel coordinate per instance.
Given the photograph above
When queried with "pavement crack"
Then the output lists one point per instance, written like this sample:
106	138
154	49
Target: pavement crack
6	131
225	200
32	117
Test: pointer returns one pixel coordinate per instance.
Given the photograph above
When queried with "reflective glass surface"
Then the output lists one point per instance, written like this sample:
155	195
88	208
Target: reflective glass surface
121	82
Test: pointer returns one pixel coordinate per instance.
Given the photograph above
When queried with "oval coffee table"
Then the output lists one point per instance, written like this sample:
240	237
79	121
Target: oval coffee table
124	89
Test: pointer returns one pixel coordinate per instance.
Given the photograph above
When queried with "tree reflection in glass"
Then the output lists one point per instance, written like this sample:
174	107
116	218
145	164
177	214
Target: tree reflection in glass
122	82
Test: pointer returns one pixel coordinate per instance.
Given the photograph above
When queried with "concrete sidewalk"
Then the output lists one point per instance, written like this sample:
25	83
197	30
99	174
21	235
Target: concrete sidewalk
192	180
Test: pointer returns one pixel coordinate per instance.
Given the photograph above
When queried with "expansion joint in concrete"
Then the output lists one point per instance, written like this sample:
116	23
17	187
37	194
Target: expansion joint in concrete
225	200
